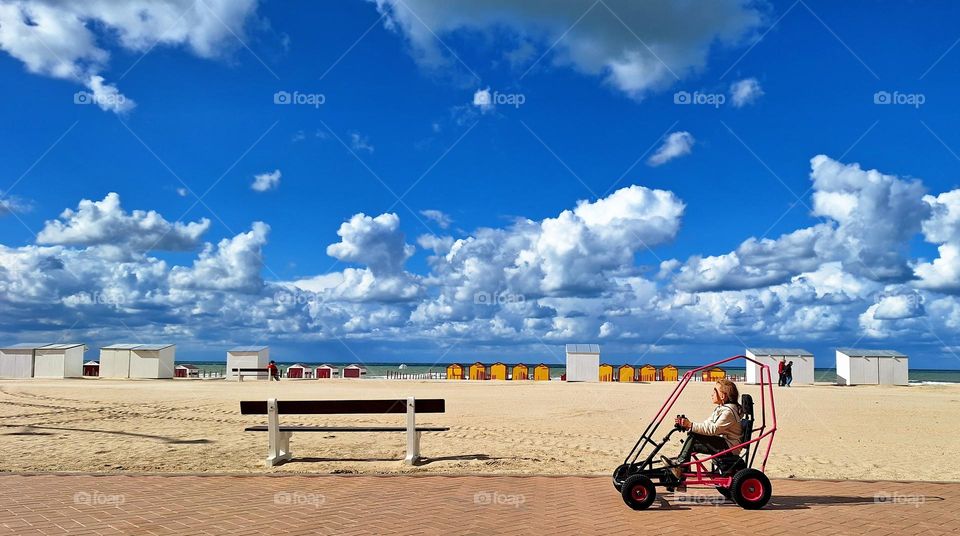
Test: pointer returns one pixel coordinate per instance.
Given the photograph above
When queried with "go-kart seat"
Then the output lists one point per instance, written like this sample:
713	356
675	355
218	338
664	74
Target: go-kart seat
746	422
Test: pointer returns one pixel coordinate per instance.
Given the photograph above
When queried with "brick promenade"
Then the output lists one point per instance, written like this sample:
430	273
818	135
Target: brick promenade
239	505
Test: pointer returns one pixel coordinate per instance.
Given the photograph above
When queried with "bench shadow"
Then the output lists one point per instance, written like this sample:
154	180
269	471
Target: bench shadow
462	457
32	430
420	462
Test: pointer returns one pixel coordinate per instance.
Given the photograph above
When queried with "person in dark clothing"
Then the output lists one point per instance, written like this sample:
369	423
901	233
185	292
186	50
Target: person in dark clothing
273	371
788	374
780	366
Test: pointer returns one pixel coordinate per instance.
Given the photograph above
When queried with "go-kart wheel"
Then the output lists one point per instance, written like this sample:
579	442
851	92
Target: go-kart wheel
638	492
724	491
751	489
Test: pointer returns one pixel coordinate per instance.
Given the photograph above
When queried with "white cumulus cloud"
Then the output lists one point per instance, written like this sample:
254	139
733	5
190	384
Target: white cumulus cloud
676	144
744	92
263	182
635	47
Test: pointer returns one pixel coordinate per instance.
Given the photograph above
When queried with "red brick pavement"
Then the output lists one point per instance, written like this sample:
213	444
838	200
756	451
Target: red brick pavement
240	505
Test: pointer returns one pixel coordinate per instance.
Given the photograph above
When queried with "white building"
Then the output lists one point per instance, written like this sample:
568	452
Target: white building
59	361
857	366
583	362
137	361
802	363
17	360
247	357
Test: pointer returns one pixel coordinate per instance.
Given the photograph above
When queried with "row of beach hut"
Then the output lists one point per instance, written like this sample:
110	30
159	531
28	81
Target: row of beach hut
498	371
65	360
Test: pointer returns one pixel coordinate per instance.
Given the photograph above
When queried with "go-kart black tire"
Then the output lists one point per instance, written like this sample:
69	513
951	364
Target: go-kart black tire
724	491
750	489
638	492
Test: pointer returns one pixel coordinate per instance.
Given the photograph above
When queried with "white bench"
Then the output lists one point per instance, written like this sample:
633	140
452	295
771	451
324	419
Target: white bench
278	442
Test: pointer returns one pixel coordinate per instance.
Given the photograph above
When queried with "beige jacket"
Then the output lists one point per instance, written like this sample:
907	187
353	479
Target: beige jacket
723	422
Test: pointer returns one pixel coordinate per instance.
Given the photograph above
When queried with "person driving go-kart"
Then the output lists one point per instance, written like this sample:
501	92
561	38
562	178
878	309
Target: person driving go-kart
721	431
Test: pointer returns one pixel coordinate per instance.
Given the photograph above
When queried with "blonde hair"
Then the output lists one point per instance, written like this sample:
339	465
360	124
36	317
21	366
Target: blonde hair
729	391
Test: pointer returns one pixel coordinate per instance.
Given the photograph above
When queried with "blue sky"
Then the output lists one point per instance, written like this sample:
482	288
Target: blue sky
653	265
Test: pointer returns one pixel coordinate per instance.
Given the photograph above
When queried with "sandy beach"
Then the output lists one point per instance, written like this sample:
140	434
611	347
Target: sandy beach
865	432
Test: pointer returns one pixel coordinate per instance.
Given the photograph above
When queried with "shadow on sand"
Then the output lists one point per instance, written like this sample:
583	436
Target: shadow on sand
38	430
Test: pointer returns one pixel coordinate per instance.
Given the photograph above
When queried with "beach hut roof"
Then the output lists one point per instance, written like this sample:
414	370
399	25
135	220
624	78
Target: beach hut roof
63	346
26	346
297	365
152	346
247	348
354	365
187	366
326	365
583	348
860	352
92	363
121	346
779	351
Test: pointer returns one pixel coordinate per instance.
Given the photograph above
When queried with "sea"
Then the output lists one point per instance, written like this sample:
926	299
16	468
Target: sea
382	370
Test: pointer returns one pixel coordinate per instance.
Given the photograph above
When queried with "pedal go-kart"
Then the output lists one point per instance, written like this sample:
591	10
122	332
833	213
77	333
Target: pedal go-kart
735	476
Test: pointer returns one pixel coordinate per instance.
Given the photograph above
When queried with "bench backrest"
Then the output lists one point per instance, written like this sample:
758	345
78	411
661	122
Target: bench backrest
342	407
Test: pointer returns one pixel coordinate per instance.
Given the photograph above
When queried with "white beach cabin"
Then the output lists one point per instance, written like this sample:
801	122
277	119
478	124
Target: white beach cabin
153	361
802	363
115	360
59	361
17	360
583	362
248	357
143	361
857	366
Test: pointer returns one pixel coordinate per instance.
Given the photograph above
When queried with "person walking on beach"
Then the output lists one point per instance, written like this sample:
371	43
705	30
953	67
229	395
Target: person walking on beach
788	374
273	371
721	431
780	367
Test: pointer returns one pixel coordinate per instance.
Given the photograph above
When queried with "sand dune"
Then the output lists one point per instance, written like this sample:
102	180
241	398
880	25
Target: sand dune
496	427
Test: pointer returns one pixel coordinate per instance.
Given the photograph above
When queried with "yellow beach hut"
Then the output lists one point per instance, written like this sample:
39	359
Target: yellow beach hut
714	374
606	372
498	371
648	373
520	372
625	373
478	371
668	374
454	371
541	373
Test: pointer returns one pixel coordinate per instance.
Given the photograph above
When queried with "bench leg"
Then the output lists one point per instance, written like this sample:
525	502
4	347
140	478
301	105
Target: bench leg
279	450
278	443
413	449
